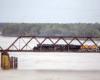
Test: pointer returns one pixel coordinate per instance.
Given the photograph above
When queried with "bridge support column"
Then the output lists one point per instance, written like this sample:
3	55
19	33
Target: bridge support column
8	62
4	60
15	62
11	62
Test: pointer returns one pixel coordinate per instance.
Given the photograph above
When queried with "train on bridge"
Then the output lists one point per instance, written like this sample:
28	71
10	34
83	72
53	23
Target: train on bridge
60	47
39	44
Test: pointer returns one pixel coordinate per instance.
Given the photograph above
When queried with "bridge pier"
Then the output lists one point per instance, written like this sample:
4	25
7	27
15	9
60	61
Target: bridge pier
8	62
4	60
15	62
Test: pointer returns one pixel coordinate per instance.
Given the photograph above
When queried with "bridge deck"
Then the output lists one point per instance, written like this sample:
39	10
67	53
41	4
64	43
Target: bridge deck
53	51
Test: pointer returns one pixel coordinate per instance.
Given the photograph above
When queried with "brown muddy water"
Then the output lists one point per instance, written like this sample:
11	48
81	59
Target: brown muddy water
51	66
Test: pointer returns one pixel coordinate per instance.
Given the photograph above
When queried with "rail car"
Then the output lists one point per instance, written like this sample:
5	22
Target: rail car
90	48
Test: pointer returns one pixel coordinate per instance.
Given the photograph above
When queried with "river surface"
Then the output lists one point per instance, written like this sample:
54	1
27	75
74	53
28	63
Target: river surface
53	60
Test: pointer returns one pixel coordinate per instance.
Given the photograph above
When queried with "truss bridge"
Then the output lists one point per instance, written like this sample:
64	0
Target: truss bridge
54	44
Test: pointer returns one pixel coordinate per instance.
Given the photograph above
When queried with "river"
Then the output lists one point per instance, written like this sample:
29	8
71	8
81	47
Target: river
53	61
51	65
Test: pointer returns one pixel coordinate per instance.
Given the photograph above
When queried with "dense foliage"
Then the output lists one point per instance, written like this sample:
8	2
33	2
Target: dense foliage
4	24
43	29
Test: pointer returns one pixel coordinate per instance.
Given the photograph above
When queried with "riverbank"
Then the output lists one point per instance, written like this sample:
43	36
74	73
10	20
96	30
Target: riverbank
48	75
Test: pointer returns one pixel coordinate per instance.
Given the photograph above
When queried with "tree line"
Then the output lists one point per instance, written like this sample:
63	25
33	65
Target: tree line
49	29
4	24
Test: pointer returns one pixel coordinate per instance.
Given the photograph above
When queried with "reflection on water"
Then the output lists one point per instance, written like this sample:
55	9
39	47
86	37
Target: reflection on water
61	61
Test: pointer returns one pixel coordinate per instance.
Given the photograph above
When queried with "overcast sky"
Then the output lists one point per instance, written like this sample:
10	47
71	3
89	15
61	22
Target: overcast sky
50	11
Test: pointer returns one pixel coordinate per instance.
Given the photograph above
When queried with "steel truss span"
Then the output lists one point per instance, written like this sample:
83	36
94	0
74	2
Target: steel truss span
55	44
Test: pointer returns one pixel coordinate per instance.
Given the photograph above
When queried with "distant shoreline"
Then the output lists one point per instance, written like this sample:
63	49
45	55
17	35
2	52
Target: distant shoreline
8	36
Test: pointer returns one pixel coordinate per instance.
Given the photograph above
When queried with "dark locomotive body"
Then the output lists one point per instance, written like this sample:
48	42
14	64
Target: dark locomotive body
57	47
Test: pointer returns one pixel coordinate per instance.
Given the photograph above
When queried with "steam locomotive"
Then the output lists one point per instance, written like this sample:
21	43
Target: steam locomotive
57	47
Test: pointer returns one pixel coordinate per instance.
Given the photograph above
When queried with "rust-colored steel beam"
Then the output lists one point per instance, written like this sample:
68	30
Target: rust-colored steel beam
81	43
69	43
43	41
40	43
15	47
51	41
19	44
85	41
13	43
71	40
93	41
1	48
56	36
57	41
65	41
37	40
27	43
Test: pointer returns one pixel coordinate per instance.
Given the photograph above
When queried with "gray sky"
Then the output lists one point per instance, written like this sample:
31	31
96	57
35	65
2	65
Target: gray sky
50	11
